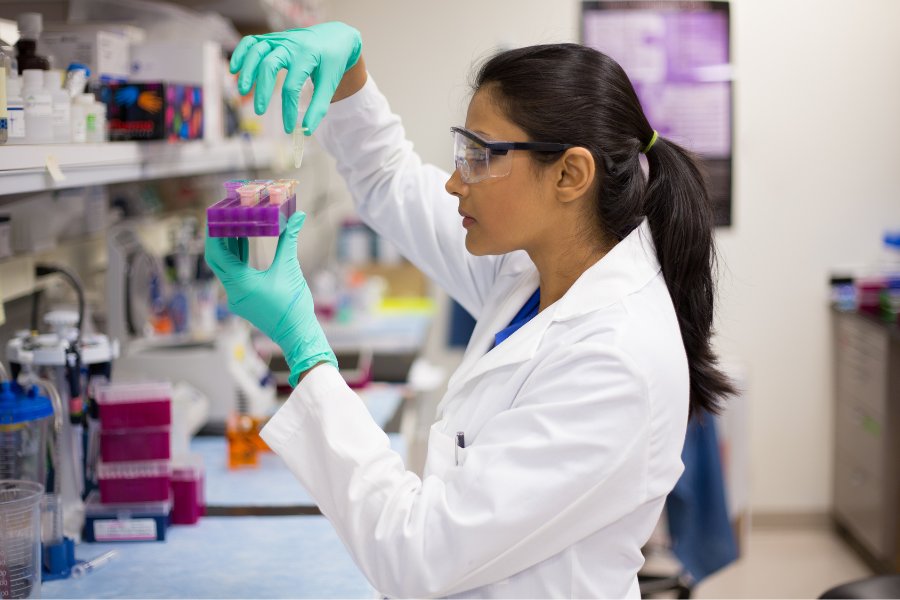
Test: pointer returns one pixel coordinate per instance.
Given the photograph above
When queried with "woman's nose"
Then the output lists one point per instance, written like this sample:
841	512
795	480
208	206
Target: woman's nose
455	185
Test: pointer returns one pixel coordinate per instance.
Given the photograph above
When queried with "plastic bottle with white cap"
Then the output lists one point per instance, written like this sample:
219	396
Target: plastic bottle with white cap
62	106
15	106
98	113
82	105
38	108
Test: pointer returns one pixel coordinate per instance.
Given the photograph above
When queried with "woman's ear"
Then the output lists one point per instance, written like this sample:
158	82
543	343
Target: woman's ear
575	174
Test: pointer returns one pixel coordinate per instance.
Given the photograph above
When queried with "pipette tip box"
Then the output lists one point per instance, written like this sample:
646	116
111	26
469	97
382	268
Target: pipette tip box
125	522
134	405
252	208
148	481
149	443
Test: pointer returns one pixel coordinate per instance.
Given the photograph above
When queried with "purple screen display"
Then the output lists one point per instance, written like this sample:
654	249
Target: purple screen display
679	65
677	57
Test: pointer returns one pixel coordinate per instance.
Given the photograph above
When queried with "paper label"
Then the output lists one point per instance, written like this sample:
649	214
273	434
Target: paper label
38	107
114	530
17	122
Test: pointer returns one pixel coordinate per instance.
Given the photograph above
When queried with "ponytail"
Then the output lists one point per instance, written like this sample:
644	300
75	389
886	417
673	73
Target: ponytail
677	205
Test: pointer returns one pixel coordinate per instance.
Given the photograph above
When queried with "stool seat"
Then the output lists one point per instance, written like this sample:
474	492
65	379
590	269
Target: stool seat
879	586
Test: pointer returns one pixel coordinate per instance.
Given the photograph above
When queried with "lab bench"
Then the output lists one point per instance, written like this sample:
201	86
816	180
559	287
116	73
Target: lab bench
263	537
866	492
271	488
224	557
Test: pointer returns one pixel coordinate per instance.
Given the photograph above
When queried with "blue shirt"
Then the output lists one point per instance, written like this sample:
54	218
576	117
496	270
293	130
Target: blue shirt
525	314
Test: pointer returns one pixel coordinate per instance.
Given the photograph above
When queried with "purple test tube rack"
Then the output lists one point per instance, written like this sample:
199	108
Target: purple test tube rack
228	218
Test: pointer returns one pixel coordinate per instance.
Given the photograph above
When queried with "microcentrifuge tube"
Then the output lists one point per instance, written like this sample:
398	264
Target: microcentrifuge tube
83	568
298	146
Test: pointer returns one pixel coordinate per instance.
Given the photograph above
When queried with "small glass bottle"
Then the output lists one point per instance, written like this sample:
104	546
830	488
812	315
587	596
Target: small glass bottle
243	450
30	27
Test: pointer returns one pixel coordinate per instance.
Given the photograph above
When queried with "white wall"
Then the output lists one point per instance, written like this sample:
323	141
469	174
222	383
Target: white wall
817	177
818	108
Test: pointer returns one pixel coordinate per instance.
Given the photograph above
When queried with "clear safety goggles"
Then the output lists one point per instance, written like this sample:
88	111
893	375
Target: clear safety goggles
478	159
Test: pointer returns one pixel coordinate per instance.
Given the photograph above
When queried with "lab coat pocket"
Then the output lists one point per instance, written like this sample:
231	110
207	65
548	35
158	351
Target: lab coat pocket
443	453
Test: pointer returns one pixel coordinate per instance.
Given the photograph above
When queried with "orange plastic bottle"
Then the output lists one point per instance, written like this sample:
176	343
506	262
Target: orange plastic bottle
241	433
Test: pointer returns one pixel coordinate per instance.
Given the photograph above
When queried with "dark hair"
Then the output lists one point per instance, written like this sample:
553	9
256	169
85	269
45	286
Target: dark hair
576	95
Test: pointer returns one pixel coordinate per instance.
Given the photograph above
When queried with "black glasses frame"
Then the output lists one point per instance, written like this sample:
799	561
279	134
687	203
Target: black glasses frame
502	148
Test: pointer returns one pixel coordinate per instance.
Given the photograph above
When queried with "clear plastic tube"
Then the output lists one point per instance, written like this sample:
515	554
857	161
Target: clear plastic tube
52	507
82	569
299	135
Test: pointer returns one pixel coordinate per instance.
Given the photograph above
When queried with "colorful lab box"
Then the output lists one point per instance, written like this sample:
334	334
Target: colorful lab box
153	111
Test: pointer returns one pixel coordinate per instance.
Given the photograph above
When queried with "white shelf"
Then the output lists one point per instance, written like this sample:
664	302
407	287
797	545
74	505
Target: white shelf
27	168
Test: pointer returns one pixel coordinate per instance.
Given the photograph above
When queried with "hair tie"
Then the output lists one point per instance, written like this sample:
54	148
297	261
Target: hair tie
650	144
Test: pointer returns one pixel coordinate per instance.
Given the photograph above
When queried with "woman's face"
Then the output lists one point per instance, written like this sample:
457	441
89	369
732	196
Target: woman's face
507	213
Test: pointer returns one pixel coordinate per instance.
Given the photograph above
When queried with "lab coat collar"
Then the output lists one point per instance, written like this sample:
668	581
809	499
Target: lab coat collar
625	269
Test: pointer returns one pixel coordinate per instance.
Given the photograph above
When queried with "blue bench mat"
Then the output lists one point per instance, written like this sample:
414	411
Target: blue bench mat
271	484
224	557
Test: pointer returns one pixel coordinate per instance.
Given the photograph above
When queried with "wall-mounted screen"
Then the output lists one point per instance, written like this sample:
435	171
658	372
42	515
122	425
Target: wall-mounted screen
677	55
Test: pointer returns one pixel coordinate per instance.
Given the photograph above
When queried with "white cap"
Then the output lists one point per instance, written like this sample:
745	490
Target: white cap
33	78
30	25
85	98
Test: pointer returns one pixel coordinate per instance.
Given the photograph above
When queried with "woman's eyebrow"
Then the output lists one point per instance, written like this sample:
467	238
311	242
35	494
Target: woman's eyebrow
483	134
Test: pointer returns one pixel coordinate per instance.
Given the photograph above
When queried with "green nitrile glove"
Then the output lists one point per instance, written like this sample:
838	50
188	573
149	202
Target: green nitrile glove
277	301
325	52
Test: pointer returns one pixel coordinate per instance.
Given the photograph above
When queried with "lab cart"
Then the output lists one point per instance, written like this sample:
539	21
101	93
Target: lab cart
866	492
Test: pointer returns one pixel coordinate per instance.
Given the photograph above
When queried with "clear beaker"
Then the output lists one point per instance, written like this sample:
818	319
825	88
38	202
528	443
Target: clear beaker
25	418
20	538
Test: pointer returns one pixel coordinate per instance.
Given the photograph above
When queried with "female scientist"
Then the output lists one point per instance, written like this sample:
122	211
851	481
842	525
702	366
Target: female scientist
560	434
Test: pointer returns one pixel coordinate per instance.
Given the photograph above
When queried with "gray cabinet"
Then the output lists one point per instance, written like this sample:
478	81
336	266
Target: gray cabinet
866	497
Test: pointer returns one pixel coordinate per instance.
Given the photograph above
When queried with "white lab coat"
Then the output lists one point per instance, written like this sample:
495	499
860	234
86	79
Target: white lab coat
573	426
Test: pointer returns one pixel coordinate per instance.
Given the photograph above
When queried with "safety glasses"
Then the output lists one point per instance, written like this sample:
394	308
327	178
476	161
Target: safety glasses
478	159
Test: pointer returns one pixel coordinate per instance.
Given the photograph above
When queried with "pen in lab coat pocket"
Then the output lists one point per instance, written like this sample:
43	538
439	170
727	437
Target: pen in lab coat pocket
460	443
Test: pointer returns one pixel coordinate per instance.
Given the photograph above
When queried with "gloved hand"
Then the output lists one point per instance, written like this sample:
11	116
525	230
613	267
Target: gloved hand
277	301
324	51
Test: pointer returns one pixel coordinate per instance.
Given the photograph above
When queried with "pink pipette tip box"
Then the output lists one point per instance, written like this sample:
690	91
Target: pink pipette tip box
146	481
122	445
135	405
268	216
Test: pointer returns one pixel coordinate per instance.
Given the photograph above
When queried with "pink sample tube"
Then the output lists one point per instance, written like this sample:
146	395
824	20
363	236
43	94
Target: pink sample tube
291	184
250	194
278	194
